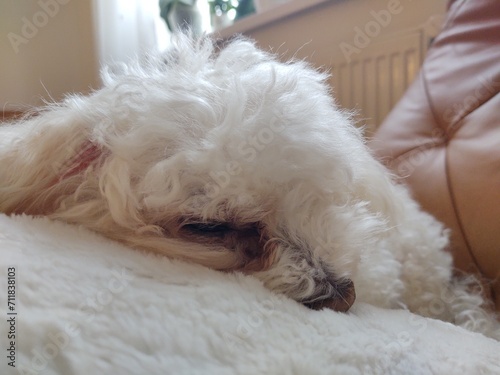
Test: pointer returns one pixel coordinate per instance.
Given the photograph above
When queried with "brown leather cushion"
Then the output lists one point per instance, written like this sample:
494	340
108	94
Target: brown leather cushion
443	137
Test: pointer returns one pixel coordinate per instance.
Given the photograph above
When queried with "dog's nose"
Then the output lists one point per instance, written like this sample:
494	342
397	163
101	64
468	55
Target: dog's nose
341	300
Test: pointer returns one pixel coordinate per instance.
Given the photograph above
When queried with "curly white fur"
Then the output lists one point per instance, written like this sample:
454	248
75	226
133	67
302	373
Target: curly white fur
231	159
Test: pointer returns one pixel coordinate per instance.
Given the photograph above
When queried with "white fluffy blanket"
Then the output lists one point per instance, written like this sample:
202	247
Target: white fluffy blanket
89	306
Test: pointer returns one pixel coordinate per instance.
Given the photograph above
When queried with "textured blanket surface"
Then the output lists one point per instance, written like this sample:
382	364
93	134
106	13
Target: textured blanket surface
86	305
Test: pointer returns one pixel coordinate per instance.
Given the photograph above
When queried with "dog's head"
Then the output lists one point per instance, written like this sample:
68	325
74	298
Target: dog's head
236	161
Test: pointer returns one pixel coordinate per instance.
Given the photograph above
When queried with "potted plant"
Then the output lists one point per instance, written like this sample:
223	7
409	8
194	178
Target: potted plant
220	13
181	15
224	12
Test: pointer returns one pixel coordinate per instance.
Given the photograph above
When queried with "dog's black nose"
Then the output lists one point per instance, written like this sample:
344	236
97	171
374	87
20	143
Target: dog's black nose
341	300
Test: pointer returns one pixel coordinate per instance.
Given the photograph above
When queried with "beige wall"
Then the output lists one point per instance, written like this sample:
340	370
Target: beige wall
49	48
45	52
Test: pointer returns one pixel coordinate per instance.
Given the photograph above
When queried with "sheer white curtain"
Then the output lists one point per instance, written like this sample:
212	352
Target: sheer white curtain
127	28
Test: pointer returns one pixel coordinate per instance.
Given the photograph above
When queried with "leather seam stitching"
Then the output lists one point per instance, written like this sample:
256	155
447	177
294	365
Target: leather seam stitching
457	214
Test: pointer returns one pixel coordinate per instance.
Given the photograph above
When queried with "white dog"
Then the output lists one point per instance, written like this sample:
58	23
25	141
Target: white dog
233	160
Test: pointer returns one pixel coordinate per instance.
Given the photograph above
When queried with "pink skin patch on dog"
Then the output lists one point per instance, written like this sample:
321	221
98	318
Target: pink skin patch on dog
82	160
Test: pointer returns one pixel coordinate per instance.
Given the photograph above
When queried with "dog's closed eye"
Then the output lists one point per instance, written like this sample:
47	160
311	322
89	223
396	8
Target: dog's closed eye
207	229
243	238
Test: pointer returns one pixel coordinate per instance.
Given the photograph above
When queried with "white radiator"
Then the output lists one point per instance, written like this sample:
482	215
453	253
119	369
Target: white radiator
374	79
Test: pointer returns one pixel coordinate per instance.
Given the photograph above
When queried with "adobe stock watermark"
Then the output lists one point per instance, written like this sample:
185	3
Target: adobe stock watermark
248	151
487	88
56	342
452	116
418	156
129	101
30	26
247	326
418	322
372	29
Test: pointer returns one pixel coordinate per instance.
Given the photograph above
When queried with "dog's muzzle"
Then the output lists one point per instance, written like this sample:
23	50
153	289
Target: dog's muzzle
340	300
